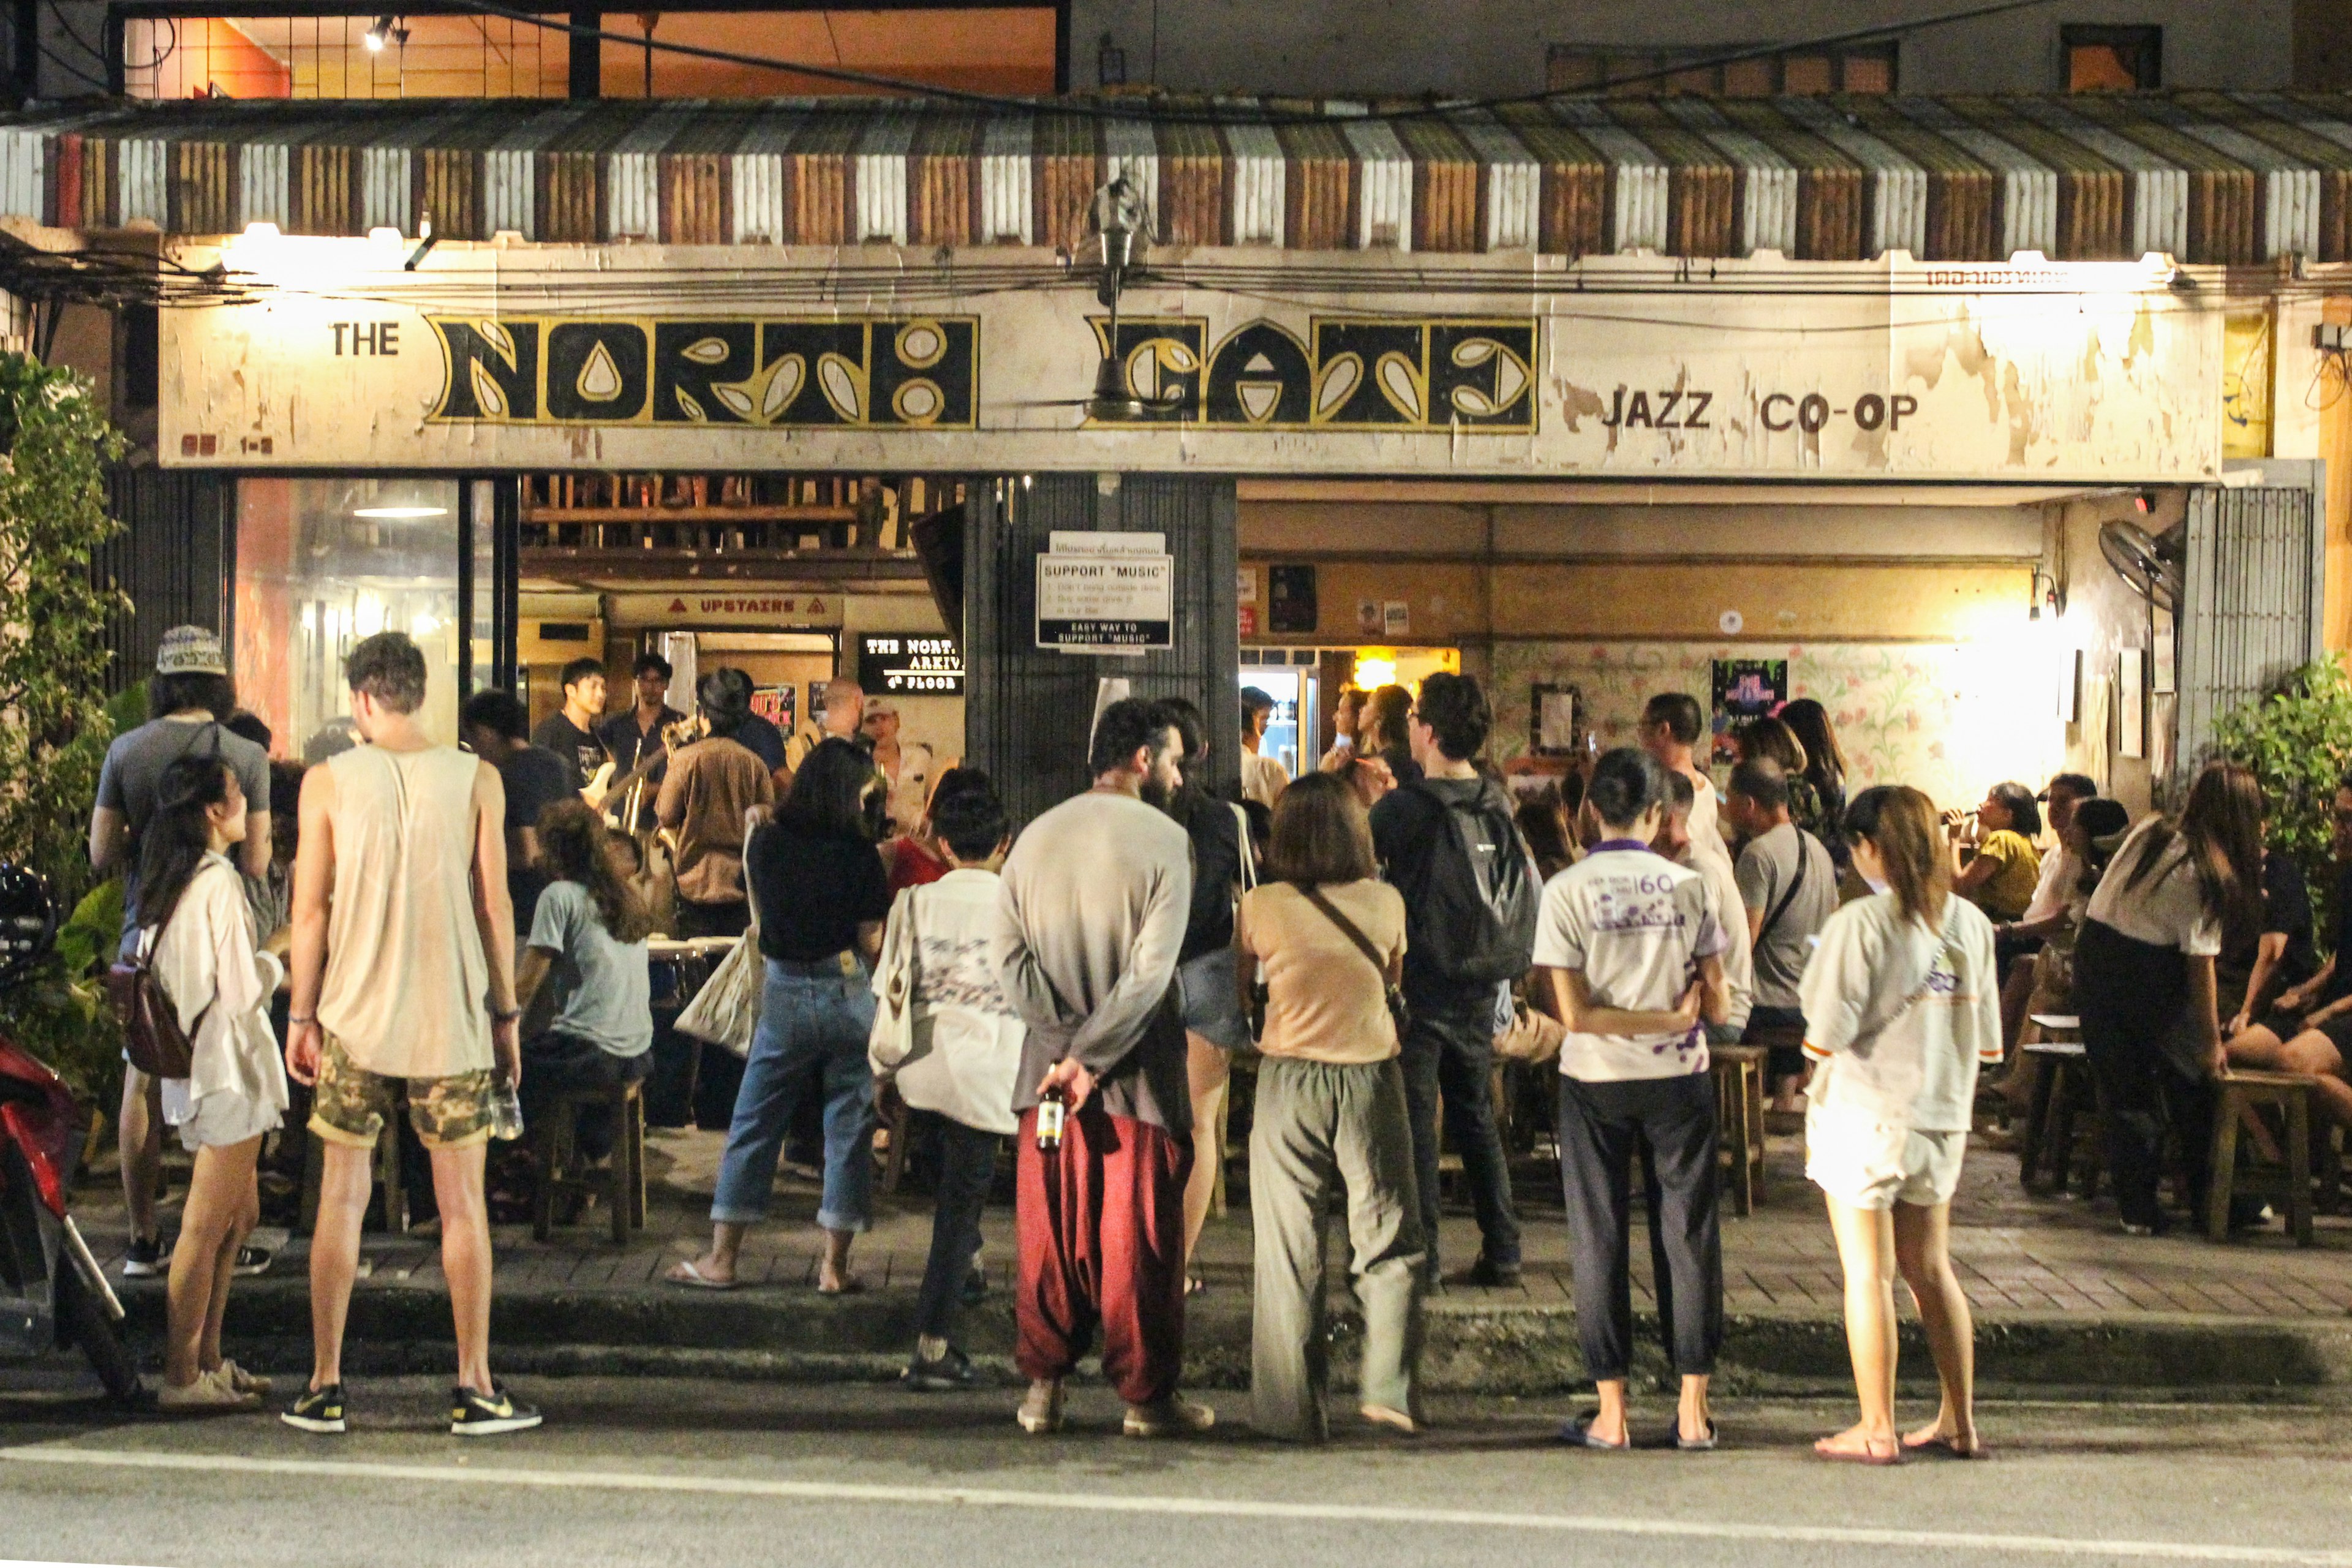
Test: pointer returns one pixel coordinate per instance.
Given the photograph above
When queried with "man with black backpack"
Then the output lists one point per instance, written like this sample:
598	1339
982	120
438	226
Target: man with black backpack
1448	844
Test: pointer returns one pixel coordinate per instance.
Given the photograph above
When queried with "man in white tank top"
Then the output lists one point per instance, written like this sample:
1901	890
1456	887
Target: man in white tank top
404	976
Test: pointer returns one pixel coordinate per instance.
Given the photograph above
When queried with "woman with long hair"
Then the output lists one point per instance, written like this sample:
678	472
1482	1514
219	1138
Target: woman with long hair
2175	895
1386	712
198	932
1223	865
816	879
1995	865
1825	769
1901	1005
1327	940
588	934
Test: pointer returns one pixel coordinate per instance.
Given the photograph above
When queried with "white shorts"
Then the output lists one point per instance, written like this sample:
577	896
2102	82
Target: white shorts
220	1121
1866	1163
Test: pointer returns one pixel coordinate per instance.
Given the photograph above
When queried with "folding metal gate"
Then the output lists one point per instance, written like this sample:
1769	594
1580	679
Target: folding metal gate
1026	710
2251	601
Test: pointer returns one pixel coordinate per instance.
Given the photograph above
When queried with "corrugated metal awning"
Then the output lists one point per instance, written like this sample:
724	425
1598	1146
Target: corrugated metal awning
2227	179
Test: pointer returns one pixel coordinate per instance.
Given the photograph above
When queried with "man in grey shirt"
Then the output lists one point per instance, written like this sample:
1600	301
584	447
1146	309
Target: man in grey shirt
1788	885
1089	921
190	694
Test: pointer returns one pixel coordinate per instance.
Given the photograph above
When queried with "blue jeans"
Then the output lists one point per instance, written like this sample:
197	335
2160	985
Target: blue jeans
813	1024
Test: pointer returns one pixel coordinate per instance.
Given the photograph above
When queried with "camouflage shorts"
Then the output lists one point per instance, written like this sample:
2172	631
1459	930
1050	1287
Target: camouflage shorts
350	1104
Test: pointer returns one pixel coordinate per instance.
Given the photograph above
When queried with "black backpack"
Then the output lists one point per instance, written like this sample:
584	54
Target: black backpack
1471	905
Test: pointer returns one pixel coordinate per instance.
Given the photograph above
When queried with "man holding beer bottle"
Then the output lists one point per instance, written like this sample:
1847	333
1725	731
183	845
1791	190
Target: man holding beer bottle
1089	922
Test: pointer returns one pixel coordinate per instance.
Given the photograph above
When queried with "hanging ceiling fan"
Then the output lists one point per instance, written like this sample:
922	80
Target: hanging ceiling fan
2149	564
1122	228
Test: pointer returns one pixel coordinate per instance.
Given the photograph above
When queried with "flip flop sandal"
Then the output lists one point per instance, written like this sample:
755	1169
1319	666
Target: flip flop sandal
1578	1434
1195	1286
850	1286
1695	1445
1861	1456
694	1279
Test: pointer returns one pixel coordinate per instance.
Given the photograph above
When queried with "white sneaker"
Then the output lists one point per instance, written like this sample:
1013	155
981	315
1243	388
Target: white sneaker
209	1394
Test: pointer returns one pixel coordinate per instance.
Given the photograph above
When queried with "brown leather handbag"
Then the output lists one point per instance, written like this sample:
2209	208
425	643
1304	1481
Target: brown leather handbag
151	1036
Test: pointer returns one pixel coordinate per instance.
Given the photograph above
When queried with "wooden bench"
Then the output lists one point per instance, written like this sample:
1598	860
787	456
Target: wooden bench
1738	1073
2061	1094
2247	1093
622	1179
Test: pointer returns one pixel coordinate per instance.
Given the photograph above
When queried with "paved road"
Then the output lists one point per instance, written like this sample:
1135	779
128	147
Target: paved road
709	1474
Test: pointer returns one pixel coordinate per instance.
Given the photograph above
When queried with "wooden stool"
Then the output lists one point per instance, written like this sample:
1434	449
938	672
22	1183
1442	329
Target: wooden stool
1738	1073
623	1178
2061	1094
2245	1091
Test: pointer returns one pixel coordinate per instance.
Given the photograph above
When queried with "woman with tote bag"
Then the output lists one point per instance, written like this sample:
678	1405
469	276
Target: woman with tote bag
945	1041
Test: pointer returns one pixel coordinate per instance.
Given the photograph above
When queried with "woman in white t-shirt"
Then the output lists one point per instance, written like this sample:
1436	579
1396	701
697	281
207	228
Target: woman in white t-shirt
959	1056
200	941
1902	1003
2143	980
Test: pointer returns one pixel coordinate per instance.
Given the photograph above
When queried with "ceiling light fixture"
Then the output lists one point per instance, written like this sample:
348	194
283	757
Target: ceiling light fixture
400	511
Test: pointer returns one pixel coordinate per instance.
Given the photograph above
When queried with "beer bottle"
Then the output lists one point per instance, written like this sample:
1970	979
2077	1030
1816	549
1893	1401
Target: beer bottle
1049	1122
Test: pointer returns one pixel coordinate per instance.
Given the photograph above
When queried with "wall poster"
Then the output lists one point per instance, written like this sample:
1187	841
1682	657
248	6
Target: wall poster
1746	690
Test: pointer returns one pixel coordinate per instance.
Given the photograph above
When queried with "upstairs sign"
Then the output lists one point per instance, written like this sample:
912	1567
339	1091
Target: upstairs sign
1107	592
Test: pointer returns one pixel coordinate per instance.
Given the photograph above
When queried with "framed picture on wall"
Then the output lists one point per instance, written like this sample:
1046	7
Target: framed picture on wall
1556	714
2131	702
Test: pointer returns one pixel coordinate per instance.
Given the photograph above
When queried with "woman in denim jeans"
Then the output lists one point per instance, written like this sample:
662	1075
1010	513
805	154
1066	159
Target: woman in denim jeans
817	883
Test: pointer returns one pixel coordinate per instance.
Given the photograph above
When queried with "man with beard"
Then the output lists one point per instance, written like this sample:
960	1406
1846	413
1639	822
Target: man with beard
1090	920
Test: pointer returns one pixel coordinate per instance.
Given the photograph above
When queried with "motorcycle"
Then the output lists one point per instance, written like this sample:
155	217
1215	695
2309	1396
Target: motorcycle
53	1294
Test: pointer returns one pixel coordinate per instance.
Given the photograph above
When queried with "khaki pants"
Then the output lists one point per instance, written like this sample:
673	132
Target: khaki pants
1318	1125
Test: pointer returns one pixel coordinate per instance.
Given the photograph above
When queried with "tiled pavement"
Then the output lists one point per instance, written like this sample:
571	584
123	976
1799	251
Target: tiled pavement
2020	1257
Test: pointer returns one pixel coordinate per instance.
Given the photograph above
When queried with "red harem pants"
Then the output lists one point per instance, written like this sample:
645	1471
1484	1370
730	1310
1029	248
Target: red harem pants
1101	1228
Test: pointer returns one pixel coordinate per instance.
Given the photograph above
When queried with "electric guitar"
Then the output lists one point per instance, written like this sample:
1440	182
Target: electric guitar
684	733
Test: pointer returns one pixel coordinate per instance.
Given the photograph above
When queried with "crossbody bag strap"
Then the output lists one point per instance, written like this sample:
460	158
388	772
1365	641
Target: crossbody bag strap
1354	934
1796	885
1248	858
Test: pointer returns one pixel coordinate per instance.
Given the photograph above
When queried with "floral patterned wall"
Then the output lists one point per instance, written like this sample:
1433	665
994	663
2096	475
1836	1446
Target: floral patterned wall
1949	718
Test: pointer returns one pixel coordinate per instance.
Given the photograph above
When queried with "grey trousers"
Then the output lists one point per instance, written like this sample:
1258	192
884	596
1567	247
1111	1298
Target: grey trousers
1317	1124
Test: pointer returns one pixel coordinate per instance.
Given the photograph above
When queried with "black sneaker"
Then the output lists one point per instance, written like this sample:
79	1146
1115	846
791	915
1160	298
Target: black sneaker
318	1410
251	1261
951	1371
975	1287
472	1415
144	1260
1489	1274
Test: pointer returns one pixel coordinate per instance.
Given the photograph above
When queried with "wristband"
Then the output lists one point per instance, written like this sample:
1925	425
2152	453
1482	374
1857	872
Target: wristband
509	1016
295	1022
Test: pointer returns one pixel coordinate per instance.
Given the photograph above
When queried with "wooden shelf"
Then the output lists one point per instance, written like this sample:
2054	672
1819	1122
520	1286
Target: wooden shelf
641	515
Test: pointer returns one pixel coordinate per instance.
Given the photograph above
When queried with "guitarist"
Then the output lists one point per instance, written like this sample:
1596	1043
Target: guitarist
571	733
630	736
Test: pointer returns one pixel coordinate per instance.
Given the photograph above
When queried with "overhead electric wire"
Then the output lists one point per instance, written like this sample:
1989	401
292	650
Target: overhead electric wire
1242	115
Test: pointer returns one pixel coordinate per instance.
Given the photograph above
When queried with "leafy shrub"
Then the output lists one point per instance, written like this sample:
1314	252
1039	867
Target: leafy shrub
2298	742
54	444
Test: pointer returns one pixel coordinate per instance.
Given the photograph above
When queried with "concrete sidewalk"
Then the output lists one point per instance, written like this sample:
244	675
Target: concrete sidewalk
2063	1299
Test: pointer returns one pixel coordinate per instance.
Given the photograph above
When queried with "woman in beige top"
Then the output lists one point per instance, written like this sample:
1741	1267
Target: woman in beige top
1326	941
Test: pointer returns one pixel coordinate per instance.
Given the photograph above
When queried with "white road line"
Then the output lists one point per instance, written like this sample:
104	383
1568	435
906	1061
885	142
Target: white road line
1745	1532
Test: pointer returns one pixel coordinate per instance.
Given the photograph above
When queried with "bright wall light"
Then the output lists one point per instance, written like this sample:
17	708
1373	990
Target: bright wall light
400	511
